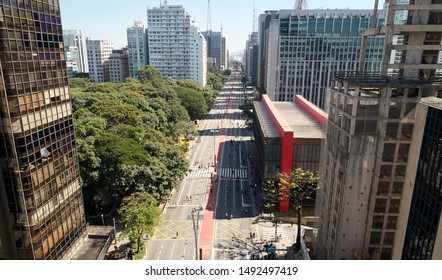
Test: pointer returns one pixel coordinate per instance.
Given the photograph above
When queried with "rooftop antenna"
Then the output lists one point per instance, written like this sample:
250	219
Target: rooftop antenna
209	19
254	17
301	5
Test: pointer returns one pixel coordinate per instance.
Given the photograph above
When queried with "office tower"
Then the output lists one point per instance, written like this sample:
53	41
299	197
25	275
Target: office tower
176	46
251	58
118	66
137	46
225	55
214	47
98	53
423	229
299	50
76	38
41	203
380	196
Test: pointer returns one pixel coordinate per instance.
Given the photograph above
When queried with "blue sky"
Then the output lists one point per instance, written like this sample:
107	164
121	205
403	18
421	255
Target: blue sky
109	19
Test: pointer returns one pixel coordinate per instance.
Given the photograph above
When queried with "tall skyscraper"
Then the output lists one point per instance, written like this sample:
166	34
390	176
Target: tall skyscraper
41	203
251	58
225	55
380	196
299	50
76	38
137	47
176	46
98	53
214	47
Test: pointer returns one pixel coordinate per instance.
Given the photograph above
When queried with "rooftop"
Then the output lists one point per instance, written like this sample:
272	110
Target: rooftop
96	244
299	120
302	123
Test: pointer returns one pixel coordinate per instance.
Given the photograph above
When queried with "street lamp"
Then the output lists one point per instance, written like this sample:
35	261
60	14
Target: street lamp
115	231
195	229
102	219
214	148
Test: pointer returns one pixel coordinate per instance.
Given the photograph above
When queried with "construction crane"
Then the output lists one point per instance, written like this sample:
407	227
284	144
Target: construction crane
301	5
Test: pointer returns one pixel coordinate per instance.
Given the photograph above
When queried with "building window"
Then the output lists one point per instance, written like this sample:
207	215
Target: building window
391	222
389	238
375	238
380	205
378	222
394	205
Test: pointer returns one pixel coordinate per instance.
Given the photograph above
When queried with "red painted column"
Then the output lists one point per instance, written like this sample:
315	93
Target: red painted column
286	152
285	168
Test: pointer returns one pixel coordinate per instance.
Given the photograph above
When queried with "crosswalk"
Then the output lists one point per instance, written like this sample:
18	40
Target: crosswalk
225	173
233	173
199	173
269	233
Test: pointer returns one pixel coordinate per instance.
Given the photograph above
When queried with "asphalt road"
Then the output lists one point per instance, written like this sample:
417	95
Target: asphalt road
216	201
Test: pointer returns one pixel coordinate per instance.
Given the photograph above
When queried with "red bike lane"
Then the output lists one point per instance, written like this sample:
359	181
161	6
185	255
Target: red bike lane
208	223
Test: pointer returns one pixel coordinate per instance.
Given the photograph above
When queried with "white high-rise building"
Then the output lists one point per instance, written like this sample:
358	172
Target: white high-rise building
98	53
198	59
137	46
75	38
176	46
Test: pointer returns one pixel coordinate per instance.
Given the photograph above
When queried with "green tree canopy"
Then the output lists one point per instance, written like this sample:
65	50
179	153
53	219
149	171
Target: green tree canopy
193	101
116	112
140	212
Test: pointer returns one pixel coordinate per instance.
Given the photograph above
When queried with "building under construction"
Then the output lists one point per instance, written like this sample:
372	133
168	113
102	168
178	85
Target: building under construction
381	194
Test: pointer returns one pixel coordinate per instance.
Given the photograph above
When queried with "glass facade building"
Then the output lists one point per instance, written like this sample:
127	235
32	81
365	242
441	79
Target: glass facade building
301	50
426	205
41	203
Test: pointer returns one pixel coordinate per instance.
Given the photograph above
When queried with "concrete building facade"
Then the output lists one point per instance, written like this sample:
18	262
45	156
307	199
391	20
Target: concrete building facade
98	53
299	50
118	66
372	172
137	48
176	46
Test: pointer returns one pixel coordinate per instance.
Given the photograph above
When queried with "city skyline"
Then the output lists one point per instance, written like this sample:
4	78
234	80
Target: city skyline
115	19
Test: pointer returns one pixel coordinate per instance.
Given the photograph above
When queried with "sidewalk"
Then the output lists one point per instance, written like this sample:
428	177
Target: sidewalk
286	233
118	249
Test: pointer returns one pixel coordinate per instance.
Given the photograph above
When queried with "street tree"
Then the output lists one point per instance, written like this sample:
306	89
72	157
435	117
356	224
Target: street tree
140	212
298	186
